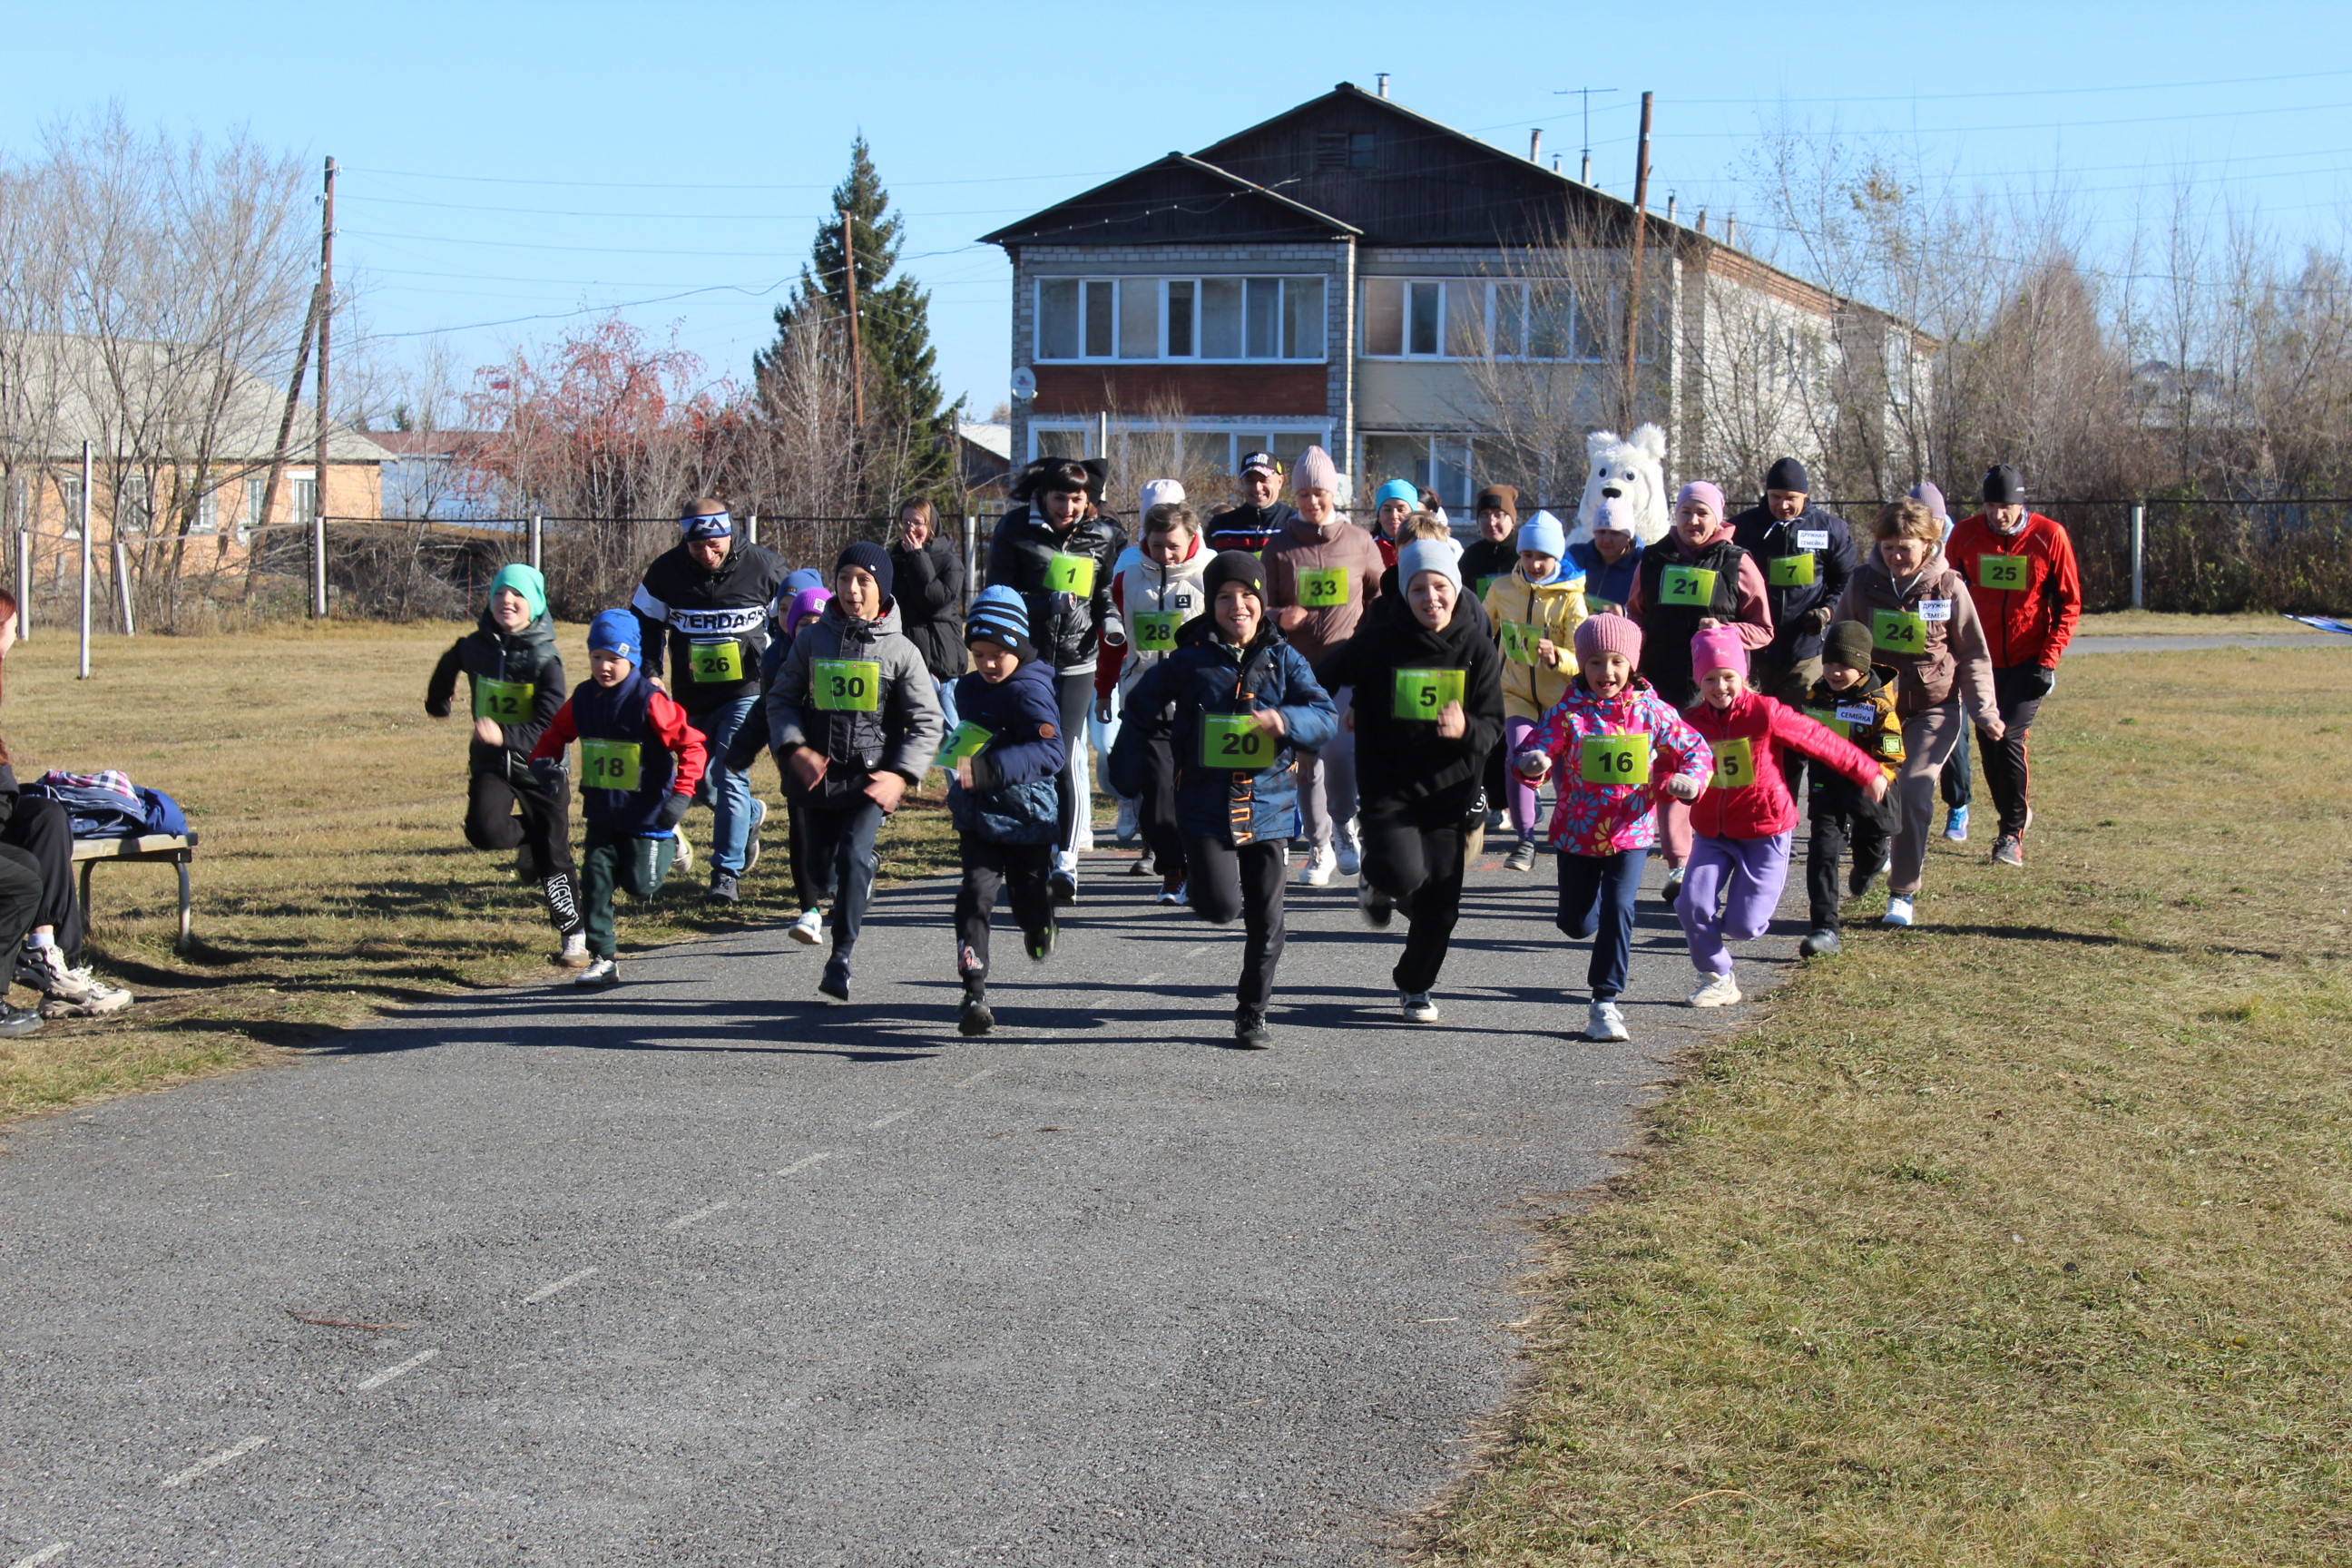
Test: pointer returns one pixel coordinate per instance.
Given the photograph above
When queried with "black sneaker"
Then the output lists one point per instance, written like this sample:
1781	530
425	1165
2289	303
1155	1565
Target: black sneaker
1820	942
975	1019
722	887
527	866
1859	881
1673	886
835	983
15	1021
1039	944
1250	1031
1065	888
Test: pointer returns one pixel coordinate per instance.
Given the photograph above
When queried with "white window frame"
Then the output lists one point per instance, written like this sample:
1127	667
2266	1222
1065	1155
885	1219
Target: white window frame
1579	352
1461	444
1159	283
1226	441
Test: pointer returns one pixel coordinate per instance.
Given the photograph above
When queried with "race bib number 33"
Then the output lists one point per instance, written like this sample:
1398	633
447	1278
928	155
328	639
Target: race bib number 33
1690	586
503	701
1234	740
610	764
847	685
1322	587
1423	693
1614	758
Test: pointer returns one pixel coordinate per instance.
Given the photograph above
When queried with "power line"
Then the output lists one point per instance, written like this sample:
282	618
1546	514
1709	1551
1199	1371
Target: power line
673	185
718	217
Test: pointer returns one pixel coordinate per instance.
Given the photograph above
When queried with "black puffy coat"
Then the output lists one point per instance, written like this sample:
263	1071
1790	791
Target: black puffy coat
491	653
1769	540
928	586
1066	628
1406	759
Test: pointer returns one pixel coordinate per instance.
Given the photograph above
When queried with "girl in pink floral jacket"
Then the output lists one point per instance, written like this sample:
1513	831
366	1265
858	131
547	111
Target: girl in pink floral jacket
1618	744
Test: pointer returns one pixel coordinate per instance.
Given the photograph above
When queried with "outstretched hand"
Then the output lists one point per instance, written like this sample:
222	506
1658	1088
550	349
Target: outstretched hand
1684	787
1877	787
885	790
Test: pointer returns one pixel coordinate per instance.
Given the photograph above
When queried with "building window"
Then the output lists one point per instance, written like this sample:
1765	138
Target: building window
131	512
1235	319
1441	462
69	499
208	513
301	498
1210	444
1898	367
1466	318
1343	149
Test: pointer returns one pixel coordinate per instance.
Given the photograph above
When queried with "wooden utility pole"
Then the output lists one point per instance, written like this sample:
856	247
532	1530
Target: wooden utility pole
857	359
318	457
1634	276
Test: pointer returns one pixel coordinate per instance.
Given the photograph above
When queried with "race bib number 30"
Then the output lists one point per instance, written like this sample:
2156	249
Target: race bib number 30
1322	587
610	764
1691	585
1234	740
1790	571
847	685
1519	640
2003	573
1155	630
1615	759
503	701
1735	764
715	662
1070	573
1898	631
1423	693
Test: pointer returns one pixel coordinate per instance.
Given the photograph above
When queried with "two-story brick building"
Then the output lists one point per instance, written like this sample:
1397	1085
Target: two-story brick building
1353	275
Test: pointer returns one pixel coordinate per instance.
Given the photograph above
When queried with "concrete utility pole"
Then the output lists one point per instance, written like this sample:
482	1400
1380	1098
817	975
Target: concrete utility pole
1634	275
83	523
319	459
849	279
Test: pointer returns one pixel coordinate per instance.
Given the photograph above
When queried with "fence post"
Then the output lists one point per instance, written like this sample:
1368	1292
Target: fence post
971	559
538	530
122	586
83	522
755	528
24	582
2139	556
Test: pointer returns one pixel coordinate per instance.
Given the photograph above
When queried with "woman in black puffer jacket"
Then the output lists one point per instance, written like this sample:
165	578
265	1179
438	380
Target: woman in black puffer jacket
927	573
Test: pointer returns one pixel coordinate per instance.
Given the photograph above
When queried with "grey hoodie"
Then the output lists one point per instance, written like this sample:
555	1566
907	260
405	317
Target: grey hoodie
901	733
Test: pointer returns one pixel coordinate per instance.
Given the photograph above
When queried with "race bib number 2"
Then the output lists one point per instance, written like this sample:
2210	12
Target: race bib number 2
847	685
967	741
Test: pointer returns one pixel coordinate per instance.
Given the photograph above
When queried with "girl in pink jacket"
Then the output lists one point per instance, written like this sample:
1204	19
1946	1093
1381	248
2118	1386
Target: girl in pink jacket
1619	747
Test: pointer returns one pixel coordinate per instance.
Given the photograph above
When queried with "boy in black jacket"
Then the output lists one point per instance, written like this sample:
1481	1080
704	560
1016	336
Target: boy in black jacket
1857	701
516	682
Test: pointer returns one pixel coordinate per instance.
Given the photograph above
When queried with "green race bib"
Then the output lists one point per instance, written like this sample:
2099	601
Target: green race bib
1828	719
1234	740
1603	608
1067	574
1790	571
1898	631
715	662
847	685
505	701
1735	764
1519	640
1155	630
1688	585
609	764
967	741
1486	584
1322	587
1614	758
1423	693
2003	573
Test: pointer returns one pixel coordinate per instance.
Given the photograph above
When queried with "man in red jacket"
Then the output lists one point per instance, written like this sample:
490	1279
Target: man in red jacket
2020	568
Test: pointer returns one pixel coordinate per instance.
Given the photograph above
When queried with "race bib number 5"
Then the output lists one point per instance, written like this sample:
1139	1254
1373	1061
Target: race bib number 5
847	685
1423	693
1067	574
1615	759
503	701
1898	631
1688	585
1234	740
715	662
2002	573
1322	587
610	764
1735	764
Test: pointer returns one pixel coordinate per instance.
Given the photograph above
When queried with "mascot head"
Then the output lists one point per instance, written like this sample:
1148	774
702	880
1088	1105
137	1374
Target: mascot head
1625	485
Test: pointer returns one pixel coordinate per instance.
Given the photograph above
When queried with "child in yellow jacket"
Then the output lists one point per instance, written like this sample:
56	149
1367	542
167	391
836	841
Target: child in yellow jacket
1535	611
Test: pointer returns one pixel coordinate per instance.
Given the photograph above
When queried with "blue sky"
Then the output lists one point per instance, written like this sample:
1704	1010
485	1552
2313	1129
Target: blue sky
510	161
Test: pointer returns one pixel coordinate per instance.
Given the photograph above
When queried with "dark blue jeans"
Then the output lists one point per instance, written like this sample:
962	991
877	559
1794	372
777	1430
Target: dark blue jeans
1596	900
841	843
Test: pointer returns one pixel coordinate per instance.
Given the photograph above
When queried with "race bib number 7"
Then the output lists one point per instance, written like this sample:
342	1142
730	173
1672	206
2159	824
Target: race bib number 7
1615	759
847	685
1790	571
503	701
1234	740
1423	693
610	764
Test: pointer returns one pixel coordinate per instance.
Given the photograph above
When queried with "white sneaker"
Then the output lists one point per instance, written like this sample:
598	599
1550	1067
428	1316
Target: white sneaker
1719	991
575	951
1419	1007
1316	872
1125	829
809	929
44	968
685	861
1604	1022
600	971
89	997
1899	911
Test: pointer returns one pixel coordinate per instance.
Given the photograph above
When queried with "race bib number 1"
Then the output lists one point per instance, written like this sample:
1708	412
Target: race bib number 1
2003	573
1735	764
847	685
720	661
1234	740
1155	630
1423	693
503	701
1898	631
1690	586
610	764
1790	571
1067	574
1322	587
1615	759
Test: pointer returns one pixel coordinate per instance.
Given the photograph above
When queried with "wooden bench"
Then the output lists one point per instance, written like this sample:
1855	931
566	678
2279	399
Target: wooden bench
150	849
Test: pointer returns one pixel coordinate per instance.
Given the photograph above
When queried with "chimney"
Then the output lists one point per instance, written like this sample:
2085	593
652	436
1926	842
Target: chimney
1731	228
1702	220
1670	206
1555	162
1383	80
1535	146
1585	173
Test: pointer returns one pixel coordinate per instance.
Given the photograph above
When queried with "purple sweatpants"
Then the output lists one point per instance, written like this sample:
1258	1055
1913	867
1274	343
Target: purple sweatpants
1742	877
1525	807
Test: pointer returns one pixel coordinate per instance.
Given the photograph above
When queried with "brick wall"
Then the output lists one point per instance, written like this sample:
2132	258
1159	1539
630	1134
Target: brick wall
1199	389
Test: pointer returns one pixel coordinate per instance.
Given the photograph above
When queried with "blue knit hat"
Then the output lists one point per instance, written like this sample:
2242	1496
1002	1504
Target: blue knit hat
1404	491
616	631
1543	534
999	615
798	581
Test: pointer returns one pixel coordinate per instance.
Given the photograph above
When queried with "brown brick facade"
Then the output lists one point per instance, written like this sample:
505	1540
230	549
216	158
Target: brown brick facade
1196	390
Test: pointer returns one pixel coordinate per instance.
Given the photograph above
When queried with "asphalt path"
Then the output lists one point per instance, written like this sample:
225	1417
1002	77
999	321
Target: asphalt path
706	1270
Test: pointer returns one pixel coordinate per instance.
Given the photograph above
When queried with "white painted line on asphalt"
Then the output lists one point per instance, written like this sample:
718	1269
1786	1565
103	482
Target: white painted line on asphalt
797	1166
388	1374
975	1078
46	1554
889	1119
206	1467
544	1291
682	1221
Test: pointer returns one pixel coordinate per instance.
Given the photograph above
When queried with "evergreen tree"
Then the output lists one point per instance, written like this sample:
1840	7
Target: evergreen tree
901	368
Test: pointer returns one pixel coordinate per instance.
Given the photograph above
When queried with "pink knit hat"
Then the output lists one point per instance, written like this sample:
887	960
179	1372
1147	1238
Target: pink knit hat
1719	647
1700	490
1609	632
1316	472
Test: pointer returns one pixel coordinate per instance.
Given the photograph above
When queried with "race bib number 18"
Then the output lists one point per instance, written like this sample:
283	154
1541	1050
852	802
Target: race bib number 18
610	764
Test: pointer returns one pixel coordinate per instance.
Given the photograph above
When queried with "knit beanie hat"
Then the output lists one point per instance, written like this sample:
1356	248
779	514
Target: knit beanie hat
616	631
1442	556
2003	486
1702	489
1159	492
872	557
1609	632
1848	643
800	581
1234	567
1543	534
1933	499
525	580
1788	474
1316	472
999	615
1498	498
807	603
704	518
1404	491
1717	648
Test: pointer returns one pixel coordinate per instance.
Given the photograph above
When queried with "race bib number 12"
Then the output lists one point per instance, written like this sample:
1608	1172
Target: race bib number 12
503	701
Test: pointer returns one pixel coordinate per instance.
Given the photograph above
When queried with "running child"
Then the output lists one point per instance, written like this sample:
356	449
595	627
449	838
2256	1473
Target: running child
854	722
515	679
1854	700
1428	710
1619	747
1158	591
1392	504
640	760
1742	826
1242	703
802	598
1006	751
1534	609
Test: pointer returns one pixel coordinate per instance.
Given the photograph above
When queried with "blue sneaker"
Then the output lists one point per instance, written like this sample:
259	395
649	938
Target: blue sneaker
1956	825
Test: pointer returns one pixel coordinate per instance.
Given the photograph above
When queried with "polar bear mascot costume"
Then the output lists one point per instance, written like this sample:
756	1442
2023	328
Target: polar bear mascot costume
1624	486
